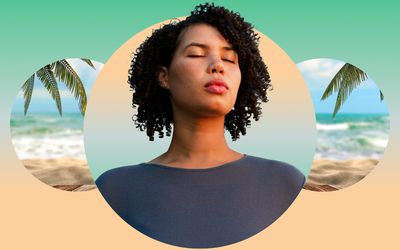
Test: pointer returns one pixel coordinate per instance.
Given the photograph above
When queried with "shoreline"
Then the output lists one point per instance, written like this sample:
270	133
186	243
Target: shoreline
69	174
330	175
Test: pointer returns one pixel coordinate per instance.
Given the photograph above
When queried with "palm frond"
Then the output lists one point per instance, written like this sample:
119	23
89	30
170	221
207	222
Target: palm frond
334	85
344	82
65	73
381	95
46	75
27	89
89	62
342	96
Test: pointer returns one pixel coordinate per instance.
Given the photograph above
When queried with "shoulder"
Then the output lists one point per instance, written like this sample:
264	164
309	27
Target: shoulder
118	178
115	173
280	172
116	185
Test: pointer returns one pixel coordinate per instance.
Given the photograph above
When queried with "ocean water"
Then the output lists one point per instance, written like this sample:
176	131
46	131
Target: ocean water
351	136
347	136
47	135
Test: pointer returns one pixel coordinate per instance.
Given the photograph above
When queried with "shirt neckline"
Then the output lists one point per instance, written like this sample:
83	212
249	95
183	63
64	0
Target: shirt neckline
245	156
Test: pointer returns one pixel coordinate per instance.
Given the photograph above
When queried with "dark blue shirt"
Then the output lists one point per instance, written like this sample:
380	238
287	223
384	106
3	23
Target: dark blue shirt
202	207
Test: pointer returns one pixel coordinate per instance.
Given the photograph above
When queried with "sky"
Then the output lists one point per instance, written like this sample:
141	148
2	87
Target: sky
319	72
41	100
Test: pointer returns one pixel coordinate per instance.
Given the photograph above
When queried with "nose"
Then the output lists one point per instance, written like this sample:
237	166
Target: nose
216	66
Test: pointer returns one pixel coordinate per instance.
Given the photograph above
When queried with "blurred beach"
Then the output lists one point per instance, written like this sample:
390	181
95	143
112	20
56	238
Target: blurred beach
351	136
62	173
348	148
47	135
329	175
51	148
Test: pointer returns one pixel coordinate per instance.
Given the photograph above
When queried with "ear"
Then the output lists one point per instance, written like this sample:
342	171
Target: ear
162	77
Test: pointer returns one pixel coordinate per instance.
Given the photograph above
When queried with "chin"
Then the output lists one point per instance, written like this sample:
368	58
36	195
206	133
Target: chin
213	107
217	109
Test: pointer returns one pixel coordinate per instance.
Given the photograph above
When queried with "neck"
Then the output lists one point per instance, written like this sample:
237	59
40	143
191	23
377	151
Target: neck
202	138
198	143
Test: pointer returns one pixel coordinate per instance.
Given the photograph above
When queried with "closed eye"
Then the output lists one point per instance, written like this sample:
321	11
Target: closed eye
228	60
195	56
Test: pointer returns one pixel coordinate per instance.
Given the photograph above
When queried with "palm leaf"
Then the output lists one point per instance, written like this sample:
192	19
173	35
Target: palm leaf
46	75
89	62
344	82
65	73
333	86
342	95
27	89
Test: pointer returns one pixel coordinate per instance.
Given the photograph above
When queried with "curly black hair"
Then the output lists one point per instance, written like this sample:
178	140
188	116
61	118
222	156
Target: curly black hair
154	112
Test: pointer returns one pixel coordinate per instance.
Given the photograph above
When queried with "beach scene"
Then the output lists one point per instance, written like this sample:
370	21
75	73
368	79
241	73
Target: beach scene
47	123
352	123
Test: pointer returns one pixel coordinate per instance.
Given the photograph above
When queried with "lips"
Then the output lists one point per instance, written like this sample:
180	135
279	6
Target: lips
216	87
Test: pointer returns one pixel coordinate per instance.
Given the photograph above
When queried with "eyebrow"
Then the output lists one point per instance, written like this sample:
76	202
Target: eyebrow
204	46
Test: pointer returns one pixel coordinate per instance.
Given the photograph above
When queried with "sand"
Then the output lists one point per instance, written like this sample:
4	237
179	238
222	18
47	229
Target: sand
74	175
330	175
62	173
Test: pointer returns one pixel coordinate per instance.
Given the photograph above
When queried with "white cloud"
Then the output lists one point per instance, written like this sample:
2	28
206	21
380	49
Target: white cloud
42	93
86	73
318	73
78	65
98	65
81	67
321	70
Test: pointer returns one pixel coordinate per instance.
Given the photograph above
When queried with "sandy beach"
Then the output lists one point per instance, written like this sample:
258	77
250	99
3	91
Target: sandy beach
63	173
330	175
73	174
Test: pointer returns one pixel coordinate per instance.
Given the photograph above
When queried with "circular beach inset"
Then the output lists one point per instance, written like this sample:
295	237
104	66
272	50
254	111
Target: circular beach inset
352	123
47	123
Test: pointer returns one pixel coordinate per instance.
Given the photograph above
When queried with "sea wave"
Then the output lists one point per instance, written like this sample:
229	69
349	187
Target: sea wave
378	142
352	136
329	127
47	136
47	147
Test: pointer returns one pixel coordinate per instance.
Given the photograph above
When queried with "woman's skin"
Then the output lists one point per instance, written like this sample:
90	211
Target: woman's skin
202	64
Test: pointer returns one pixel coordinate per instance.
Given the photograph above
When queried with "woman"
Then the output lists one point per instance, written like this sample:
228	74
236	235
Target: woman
202	75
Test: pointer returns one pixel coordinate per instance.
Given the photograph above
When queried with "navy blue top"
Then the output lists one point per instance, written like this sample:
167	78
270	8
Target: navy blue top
202	207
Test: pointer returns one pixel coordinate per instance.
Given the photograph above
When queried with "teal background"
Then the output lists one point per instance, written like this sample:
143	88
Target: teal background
35	33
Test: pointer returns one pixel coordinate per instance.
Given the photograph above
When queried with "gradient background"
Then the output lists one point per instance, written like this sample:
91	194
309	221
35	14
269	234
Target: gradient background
364	216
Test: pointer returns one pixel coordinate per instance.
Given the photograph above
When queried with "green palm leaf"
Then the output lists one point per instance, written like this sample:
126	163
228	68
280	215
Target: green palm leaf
65	73
46	75
89	62
344	82
27	89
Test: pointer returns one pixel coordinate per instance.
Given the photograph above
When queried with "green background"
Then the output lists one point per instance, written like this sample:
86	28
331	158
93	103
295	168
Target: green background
35	33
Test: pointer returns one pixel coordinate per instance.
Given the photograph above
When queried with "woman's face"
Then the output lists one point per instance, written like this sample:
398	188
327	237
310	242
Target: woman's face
204	75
